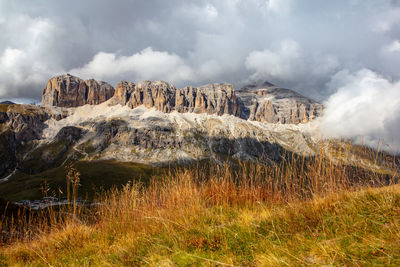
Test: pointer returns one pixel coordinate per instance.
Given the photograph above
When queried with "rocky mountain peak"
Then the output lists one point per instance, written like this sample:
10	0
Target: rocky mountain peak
258	85
70	91
270	90
7	102
266	102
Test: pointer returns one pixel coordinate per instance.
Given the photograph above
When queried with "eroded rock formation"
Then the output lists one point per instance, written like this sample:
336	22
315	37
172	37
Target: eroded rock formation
71	91
212	99
271	104
265	102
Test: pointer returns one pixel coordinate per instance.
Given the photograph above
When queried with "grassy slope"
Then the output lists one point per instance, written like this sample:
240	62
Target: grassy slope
349	228
95	175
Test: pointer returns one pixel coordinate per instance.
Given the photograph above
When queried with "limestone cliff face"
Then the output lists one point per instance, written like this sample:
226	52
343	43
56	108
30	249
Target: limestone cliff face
271	104
71	91
212	99
263	103
123	92
160	95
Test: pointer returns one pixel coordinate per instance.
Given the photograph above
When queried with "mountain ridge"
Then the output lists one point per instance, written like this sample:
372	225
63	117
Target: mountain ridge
71	91
265	102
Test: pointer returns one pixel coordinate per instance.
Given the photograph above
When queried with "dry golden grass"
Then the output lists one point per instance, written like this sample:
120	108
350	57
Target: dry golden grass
302	211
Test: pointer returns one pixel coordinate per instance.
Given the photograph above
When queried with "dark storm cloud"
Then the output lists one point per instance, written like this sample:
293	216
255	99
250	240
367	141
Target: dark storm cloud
312	46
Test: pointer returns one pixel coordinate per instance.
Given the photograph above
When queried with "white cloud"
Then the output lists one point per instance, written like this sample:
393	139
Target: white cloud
202	13
281	64
386	20
365	107
145	65
26	62
211	12
12	57
280	6
394	46
288	63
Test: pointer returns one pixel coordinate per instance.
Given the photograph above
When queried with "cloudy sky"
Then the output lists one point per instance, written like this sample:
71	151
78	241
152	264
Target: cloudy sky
323	49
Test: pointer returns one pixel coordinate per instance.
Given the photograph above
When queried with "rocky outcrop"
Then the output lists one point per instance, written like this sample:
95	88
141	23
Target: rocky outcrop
8	146
69	134
52	154
123	92
19	124
264	102
159	94
271	104
71	91
211	99
26	122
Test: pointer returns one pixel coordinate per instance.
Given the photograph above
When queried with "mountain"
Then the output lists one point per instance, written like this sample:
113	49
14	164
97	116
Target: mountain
258	102
7	102
71	91
152	123
268	103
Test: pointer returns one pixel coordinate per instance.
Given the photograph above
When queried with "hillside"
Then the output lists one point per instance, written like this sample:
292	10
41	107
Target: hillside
218	222
152	123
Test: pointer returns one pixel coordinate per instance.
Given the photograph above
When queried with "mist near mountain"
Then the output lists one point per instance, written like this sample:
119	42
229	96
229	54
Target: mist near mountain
366	108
